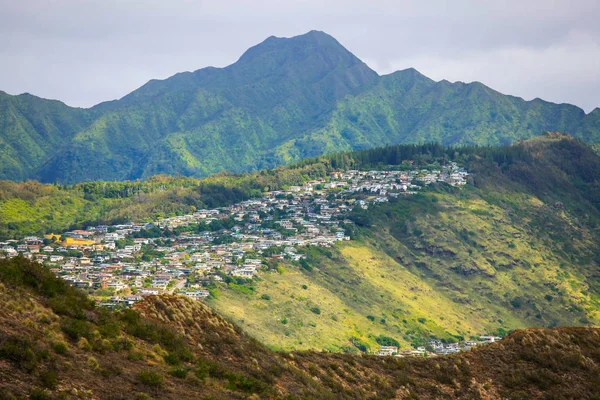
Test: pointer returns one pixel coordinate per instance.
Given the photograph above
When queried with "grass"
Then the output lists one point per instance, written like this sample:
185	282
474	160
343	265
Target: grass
476	252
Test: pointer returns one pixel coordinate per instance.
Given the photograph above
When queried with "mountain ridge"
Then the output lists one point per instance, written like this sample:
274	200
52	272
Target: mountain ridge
283	100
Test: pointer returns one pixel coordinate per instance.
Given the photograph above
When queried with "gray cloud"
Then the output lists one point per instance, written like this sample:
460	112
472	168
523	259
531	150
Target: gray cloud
87	51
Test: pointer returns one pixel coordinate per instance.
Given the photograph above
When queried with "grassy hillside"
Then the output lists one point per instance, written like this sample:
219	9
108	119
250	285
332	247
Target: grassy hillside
55	344
516	248
282	101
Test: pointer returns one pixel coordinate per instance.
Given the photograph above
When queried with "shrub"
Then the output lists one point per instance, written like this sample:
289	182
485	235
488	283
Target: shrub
208	368
39	394
150	378
245	384
93	363
386	341
179	372
135	356
17	350
422	320
49	379
122	344
359	344
62	298
370	318
75	328
284	321
155	332
60	348
265	297
315	310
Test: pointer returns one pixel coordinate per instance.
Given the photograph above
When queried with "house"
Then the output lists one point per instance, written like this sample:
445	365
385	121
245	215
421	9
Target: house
387	351
247	271
490	339
198	294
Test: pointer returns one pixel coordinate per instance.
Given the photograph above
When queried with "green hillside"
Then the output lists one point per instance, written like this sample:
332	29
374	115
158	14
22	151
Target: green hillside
282	101
32	130
517	248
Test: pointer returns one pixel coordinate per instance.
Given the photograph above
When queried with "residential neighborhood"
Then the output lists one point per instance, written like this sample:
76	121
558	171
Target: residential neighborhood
188	254
437	348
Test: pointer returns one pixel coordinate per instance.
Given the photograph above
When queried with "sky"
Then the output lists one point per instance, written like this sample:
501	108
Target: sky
83	52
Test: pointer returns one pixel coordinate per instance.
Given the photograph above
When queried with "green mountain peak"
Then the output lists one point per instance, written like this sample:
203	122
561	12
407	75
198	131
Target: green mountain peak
282	100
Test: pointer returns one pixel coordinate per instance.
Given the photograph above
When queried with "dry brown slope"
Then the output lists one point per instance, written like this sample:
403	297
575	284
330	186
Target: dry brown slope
176	348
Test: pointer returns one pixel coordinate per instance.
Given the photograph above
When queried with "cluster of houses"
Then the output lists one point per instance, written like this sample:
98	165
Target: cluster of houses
437	347
121	263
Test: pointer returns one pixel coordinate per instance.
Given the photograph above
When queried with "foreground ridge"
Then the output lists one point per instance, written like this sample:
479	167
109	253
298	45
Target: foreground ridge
55	343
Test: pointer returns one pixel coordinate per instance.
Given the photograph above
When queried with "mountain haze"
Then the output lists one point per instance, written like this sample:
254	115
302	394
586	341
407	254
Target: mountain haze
283	100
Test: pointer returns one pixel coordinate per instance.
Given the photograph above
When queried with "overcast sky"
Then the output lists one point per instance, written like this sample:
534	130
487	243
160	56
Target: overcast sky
87	51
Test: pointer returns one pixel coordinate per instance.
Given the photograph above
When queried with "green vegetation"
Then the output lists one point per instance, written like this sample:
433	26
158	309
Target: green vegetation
150	378
282	101
517	247
32	208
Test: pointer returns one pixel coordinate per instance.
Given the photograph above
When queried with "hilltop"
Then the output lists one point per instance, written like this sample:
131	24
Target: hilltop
55	344
285	99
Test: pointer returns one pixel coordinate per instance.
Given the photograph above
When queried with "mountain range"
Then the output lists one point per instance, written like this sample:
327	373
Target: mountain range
284	99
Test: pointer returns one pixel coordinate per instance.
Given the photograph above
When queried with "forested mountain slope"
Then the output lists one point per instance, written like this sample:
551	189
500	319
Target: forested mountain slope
283	100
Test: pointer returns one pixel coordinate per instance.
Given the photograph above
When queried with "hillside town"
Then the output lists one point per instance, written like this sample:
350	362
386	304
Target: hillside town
437	348
188	254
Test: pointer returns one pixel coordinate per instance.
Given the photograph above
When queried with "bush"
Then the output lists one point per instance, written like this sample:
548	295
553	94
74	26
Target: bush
93	363
49	379
265	297
150	378
386	341
242	383
208	368
17	350
315	310
155	332
39	394
62	298
75	328
60	348
179	372
359	344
